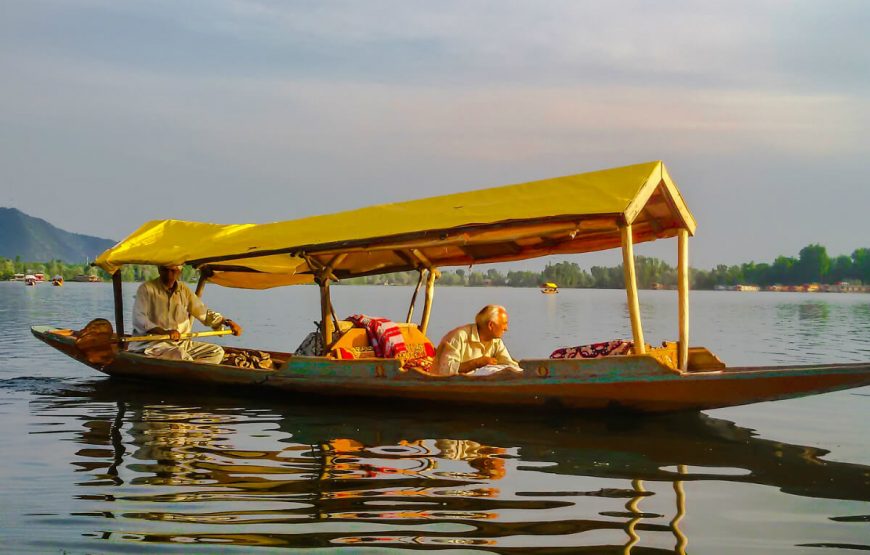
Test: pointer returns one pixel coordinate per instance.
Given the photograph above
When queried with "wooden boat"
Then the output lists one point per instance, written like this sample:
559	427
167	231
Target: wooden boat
30	279
549	288
613	208
57	281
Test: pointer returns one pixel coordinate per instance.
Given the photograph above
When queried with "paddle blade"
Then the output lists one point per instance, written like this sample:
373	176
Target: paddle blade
97	343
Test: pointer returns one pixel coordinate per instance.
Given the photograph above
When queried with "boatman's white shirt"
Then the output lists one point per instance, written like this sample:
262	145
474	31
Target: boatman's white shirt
462	344
158	307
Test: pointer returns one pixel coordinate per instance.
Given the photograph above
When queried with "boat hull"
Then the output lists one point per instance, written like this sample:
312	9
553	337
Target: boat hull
632	383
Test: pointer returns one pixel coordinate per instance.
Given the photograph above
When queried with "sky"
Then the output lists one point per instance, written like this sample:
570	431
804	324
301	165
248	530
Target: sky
115	113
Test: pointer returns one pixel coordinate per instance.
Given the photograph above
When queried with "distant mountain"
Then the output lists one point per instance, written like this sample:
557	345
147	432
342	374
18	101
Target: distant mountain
36	240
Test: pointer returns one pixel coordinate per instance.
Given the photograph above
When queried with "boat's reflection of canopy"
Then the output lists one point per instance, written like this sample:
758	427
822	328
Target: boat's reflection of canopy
572	214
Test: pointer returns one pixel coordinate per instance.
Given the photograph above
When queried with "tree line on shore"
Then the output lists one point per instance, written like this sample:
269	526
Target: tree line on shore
130	272
813	265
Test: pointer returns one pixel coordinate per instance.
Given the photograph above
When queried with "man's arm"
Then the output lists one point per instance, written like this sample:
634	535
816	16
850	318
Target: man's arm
210	318
197	308
141	311
502	356
448	358
475	363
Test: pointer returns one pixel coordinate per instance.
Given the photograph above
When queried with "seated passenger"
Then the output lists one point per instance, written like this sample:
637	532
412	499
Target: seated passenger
475	345
166	306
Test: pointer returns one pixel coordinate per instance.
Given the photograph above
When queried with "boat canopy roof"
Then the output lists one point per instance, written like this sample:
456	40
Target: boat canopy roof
563	215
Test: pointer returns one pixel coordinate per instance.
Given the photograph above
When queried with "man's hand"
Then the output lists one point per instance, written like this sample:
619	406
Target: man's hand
236	329
475	363
174	335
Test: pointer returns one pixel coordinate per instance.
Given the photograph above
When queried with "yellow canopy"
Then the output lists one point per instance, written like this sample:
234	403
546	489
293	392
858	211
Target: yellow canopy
550	285
572	214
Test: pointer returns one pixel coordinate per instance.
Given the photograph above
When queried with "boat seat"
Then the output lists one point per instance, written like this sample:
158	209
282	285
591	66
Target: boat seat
666	354
354	343
701	360
595	350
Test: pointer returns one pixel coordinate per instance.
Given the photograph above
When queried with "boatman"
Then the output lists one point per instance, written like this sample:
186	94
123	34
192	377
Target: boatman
475	345
166	306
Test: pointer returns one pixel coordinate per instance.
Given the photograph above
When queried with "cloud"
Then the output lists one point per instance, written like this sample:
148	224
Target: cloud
252	111
759	44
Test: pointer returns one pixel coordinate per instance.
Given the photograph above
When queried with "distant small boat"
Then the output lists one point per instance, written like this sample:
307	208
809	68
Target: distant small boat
30	279
549	288
57	281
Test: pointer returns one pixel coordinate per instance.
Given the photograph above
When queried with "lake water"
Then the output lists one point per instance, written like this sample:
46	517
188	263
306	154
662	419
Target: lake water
97	465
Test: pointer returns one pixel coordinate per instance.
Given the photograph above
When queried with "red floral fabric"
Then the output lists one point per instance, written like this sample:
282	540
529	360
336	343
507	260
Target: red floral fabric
595	350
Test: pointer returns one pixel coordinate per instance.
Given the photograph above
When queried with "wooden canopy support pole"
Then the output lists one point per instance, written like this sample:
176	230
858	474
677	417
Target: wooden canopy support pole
327	314
631	289
321	270
203	278
430	293
119	302
324	273
328	271
421	257
683	291
336	260
325	311
414	296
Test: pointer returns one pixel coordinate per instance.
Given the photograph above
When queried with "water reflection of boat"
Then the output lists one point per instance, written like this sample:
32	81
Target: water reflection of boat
648	449
198	465
575	214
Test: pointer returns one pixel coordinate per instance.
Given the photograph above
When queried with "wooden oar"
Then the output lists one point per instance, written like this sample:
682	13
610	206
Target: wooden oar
99	344
132	338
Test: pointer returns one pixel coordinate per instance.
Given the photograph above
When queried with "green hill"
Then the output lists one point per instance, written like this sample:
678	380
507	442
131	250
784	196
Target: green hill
34	239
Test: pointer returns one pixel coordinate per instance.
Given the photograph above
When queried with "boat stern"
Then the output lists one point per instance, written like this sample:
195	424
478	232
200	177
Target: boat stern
63	340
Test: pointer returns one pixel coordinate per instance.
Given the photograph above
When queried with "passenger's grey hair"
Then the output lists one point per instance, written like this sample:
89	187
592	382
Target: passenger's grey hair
488	314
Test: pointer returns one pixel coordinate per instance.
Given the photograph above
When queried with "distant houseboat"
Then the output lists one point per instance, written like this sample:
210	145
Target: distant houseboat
742	287
87	278
17	277
842	287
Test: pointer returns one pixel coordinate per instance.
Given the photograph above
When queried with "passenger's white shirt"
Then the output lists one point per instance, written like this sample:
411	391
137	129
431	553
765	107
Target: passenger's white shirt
462	344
